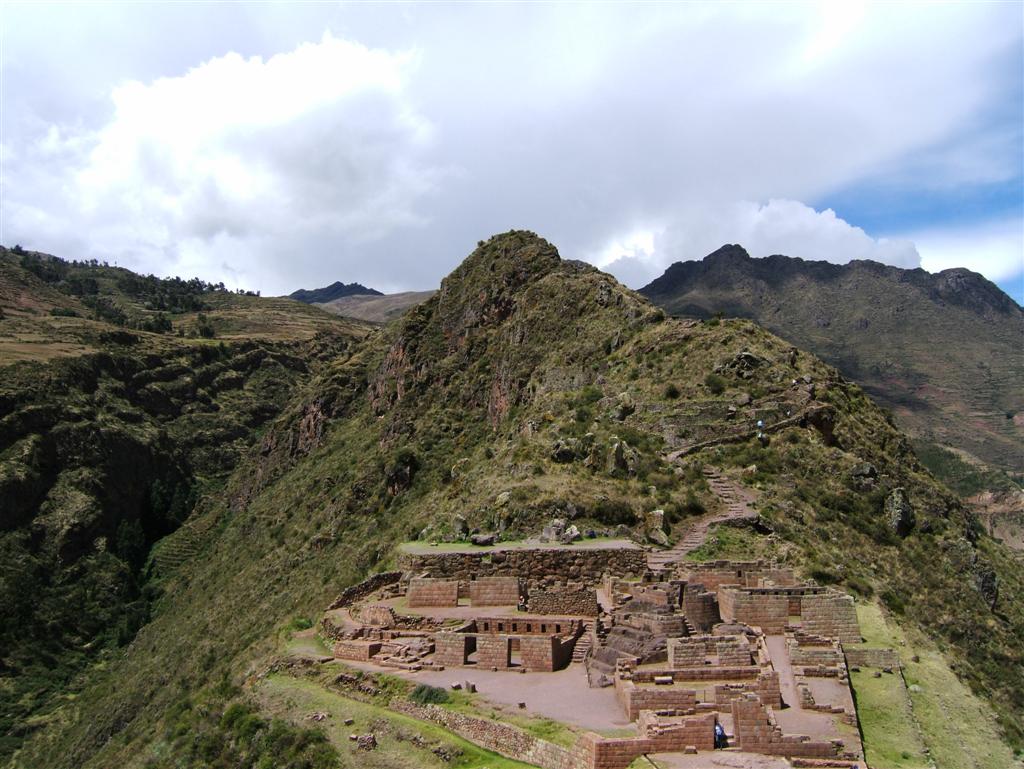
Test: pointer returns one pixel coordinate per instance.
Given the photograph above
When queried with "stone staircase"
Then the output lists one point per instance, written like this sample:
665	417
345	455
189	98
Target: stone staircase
737	507
584	643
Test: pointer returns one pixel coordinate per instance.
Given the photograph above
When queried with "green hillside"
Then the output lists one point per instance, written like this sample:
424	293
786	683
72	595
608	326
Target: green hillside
942	351
110	435
530	387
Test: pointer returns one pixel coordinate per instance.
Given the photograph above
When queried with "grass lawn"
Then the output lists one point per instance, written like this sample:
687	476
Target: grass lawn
403	742
938	712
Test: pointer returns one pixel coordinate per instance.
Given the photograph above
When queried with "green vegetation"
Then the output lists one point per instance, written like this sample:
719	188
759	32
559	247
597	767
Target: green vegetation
945	360
733	542
501	404
402	742
891	736
425	694
206	732
961	476
938	714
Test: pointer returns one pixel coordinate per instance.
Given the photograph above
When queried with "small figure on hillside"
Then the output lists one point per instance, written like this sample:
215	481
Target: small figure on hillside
720	740
521	606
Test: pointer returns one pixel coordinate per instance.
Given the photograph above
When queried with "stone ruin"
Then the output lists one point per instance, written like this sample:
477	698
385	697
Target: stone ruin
742	644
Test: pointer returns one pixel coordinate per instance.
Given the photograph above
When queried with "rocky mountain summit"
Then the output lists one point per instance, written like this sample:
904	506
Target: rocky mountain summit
336	290
943	351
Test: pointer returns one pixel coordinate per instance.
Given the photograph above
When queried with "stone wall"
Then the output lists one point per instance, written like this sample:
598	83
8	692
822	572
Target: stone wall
832	614
494	591
452	649
693	651
872	658
714	574
635	698
581	602
668	625
756	731
660	736
428	592
766	610
356	650
493	651
370	585
700	607
504	739
538	566
378	615
527	624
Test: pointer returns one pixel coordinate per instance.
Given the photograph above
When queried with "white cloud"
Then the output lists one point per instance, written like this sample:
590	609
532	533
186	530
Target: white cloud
627	132
238	161
995	249
777	227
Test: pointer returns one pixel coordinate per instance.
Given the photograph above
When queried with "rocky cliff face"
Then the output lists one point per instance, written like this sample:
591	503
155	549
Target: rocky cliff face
942	351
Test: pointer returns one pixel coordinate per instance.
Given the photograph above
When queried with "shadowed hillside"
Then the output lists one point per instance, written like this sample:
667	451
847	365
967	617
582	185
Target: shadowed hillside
110	435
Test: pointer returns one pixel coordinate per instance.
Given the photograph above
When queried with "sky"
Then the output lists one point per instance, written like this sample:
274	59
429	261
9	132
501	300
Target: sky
278	146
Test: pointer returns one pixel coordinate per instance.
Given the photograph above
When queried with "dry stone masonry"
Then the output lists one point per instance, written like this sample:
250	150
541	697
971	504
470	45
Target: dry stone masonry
685	647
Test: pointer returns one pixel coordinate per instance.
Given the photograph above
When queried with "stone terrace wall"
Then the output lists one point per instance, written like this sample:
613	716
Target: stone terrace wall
503	739
582	602
872	658
832	614
537	566
369	585
494	591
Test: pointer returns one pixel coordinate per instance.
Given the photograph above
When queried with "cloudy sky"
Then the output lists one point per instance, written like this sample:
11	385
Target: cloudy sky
285	146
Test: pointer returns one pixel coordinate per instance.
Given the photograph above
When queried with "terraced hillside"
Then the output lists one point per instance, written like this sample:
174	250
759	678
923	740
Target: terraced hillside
529	388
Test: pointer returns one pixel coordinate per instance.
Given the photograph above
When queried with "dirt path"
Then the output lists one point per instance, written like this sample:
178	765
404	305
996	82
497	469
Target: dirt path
737	501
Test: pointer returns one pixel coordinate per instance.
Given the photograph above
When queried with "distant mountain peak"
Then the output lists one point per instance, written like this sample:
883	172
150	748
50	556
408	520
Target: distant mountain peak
334	291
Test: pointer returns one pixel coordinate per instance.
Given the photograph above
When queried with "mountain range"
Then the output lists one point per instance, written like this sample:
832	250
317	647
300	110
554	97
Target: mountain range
944	352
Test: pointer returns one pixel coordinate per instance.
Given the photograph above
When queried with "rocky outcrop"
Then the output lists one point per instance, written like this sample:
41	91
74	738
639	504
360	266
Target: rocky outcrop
899	514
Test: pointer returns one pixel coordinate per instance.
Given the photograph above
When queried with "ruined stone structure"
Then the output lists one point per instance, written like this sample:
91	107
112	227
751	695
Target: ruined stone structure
821	611
427	592
495	591
503	643
694	651
539	567
684	647
580	602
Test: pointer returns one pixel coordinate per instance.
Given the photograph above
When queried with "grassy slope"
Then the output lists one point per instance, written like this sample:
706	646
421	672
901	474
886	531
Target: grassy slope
949	371
516	352
107	439
938	718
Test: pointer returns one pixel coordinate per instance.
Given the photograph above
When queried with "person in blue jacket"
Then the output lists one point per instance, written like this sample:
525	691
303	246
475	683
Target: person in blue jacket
720	740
